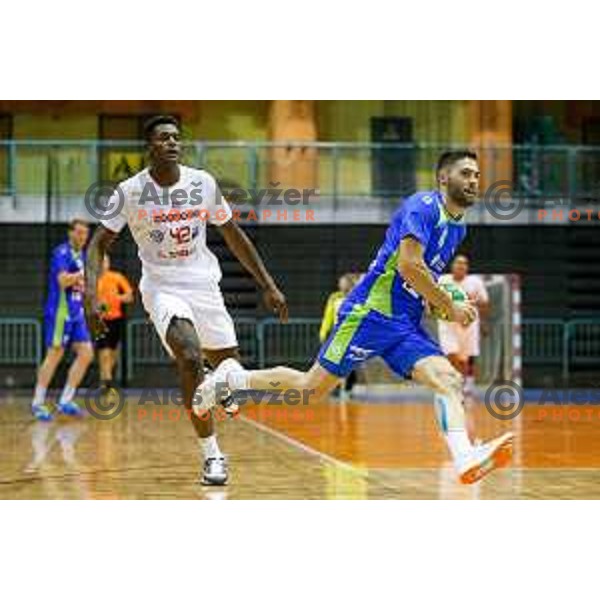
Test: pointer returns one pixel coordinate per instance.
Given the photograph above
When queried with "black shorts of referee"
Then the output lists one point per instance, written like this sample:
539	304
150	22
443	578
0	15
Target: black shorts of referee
113	336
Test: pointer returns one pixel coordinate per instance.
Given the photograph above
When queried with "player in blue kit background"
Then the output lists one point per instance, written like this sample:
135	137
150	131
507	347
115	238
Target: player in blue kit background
382	317
64	323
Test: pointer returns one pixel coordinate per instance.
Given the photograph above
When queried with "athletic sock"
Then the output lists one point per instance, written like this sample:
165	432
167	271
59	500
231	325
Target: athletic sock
441	412
67	395
459	443
238	379
456	437
210	447
40	395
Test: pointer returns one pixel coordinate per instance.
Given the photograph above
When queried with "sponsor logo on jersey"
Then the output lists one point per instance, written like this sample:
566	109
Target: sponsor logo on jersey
437	264
175	215
179	253
358	353
443	238
156	235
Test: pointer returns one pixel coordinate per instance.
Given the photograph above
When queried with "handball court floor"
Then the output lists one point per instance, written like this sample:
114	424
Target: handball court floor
344	450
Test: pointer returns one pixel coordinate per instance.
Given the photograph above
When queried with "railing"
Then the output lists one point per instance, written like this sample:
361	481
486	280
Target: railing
20	342
261	343
543	341
143	346
63	170
582	343
547	342
295	343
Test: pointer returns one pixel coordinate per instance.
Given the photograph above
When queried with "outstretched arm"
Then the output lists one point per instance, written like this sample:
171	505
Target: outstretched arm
244	250
102	240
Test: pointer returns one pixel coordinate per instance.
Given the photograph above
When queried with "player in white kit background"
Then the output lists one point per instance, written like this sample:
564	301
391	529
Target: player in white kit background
461	343
180	275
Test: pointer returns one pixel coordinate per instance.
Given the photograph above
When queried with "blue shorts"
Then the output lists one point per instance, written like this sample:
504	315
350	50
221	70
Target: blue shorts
362	333
60	330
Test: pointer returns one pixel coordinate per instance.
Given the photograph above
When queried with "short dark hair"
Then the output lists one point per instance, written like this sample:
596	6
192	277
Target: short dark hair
74	222
461	255
451	156
153	122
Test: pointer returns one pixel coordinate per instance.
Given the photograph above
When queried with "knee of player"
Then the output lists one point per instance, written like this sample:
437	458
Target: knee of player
86	354
55	352
189	357
307	386
316	385
449	382
453	380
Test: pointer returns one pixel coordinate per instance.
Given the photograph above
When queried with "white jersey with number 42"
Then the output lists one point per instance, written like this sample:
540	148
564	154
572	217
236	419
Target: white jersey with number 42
169	225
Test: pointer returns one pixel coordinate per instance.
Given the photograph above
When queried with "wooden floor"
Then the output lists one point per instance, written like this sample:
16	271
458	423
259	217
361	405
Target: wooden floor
334	450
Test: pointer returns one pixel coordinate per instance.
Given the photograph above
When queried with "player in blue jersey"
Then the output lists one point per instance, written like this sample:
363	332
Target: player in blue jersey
382	317
64	323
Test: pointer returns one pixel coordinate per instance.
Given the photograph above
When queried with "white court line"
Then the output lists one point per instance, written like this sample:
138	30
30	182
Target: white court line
300	446
364	471
343	465
322	455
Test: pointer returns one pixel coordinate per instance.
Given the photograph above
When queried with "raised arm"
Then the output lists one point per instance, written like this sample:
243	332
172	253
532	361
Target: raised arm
244	250
102	240
412	267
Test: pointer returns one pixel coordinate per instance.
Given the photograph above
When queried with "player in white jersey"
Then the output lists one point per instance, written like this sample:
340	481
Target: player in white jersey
460	343
166	207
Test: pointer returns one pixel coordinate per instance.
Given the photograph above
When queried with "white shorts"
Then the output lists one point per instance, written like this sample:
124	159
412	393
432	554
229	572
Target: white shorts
456	339
202	305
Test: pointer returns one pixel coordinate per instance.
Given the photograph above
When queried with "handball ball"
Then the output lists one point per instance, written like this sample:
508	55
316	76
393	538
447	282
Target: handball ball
457	294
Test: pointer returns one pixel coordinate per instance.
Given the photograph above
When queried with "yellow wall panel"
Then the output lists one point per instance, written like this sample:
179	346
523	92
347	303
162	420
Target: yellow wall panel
231	120
54	126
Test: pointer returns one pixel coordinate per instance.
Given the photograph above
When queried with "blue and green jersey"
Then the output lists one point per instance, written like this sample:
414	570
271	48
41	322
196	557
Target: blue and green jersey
424	217
66	303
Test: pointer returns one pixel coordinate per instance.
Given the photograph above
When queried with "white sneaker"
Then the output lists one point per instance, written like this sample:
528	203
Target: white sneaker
215	471
214	388
485	458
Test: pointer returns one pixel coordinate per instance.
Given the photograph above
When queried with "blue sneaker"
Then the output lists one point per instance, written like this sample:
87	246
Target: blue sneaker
70	409
42	412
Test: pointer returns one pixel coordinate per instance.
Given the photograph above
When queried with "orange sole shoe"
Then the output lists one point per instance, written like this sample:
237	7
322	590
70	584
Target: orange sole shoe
500	456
